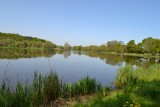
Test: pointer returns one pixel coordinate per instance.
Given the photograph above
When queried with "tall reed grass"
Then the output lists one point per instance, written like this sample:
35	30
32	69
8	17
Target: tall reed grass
135	87
129	75
84	86
144	82
44	90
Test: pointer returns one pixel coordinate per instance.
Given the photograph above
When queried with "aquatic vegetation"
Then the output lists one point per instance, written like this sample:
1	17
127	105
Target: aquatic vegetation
45	89
128	75
84	86
136	87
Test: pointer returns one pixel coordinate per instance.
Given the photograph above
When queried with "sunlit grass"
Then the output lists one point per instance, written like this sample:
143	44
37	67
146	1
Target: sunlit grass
130	75
84	86
118	99
45	89
136	87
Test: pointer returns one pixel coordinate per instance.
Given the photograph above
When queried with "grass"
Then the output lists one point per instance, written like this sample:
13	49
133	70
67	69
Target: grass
84	86
117	99
129	75
44	90
136	86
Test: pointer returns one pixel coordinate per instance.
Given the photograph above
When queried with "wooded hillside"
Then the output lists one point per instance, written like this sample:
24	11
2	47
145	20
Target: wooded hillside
9	40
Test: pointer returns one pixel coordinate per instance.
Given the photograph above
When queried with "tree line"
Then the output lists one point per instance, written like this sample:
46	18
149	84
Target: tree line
10	40
148	45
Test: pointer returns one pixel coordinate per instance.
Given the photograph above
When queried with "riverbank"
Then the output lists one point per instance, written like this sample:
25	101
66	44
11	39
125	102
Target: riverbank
135	54
145	55
46	90
135	87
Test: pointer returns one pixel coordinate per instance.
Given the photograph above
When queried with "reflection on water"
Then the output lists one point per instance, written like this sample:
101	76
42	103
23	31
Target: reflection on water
70	66
24	53
66	54
112	59
117	59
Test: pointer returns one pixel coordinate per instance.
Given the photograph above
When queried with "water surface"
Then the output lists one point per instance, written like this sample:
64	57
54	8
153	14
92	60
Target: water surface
70	66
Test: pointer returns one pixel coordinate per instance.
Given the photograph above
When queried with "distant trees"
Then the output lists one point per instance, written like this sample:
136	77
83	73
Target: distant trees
67	46
49	45
59	48
148	45
9	40
102	48
131	47
151	45
77	47
115	46
139	48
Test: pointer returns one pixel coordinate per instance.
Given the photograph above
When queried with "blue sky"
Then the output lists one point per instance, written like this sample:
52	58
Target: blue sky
82	22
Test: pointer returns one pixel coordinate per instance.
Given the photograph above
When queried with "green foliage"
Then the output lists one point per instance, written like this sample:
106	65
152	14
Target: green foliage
8	40
77	48
67	46
149	89
129	75
117	99
45	89
84	86
131	47
139	48
148	45
151	45
52	87
125	77
92	48
140	87
115	46
144	82
59	48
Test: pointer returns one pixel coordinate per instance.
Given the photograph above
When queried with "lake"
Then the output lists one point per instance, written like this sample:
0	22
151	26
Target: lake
70	66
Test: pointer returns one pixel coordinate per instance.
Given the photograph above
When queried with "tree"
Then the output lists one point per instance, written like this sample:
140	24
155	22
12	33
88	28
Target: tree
67	46
148	44
60	48
156	46
77	48
139	48
131	47
114	46
19	41
103	48
49	46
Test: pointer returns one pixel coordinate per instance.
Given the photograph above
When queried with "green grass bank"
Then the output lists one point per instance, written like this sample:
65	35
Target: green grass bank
135	87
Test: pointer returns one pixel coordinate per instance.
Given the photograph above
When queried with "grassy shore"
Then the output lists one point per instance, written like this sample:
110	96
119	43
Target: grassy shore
135	87
44	90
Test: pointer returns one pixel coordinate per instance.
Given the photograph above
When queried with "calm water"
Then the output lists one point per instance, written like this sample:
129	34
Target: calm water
70	66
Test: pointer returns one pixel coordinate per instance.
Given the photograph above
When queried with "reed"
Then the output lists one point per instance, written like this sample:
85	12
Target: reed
84	86
130	75
136	87
45	89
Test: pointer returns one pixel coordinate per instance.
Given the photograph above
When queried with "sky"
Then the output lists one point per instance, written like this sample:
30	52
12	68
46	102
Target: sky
82	22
